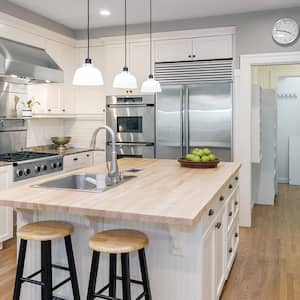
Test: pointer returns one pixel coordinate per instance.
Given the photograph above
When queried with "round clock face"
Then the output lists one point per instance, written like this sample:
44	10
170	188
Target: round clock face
285	31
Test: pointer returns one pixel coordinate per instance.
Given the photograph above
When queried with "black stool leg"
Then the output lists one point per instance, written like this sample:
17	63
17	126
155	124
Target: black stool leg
112	274
93	276
20	269
46	270
126	276
145	276
71	262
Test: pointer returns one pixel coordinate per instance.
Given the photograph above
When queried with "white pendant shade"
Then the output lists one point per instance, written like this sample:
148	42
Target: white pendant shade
88	75
125	80
151	86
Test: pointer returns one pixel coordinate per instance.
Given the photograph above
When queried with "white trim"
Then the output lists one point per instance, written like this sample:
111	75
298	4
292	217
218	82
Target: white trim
187	34
243	121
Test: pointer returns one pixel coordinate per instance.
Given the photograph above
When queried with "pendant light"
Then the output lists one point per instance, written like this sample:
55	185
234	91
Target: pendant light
87	74
151	85
125	80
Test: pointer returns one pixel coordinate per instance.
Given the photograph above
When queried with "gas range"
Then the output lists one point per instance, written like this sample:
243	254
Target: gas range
28	164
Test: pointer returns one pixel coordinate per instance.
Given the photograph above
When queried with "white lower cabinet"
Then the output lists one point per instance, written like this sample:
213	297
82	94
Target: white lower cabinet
220	239
6	213
78	161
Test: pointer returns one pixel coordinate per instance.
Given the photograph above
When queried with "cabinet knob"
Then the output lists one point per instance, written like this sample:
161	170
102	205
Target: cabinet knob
63	110
49	109
211	212
230	214
222	198
236	203
230	250
236	235
190	56
194	55
230	186
236	178
75	158
88	155
218	225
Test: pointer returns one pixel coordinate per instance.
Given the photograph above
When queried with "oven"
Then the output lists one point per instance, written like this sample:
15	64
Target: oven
132	118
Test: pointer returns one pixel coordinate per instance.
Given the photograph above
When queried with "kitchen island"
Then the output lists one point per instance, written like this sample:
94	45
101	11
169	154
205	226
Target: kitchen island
190	216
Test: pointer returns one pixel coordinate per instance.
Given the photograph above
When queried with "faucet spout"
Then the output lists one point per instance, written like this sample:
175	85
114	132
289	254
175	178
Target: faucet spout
113	175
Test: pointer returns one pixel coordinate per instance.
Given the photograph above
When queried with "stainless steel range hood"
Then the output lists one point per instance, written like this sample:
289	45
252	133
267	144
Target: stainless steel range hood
26	64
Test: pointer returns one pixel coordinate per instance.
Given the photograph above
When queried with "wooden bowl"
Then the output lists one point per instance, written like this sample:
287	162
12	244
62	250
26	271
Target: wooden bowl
198	165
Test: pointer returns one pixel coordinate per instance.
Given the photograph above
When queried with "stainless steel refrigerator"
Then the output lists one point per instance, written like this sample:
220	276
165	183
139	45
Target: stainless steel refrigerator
191	116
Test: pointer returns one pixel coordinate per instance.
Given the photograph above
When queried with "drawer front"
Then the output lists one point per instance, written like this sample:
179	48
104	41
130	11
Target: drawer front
77	161
232	244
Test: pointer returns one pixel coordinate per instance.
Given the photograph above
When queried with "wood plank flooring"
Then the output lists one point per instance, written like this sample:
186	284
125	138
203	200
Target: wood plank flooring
268	262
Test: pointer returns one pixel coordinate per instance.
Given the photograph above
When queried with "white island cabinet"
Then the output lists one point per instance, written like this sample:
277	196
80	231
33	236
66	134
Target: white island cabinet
190	217
6	213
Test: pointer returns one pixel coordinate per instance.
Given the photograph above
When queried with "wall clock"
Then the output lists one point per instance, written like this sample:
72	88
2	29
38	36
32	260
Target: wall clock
285	31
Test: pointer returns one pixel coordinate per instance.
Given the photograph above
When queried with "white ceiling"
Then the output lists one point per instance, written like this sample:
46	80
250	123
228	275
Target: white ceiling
72	13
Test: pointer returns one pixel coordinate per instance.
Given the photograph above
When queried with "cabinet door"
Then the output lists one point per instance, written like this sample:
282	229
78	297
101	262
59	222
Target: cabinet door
207	279
91	99
114	63
220	231
139	63
173	50
6	213
212	47
78	161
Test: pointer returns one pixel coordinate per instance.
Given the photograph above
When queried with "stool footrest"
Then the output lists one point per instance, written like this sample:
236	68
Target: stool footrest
61	268
131	280
28	280
61	283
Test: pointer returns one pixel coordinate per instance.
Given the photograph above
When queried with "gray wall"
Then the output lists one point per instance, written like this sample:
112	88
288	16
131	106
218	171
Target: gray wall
254	30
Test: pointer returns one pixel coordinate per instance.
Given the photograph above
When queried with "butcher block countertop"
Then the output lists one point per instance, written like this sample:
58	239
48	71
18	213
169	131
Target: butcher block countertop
162	192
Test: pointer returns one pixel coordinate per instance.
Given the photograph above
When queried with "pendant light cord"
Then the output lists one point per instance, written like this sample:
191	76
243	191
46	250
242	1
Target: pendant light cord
125	34
88	27
151	70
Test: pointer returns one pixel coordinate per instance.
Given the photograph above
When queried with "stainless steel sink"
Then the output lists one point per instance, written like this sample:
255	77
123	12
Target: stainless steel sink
82	182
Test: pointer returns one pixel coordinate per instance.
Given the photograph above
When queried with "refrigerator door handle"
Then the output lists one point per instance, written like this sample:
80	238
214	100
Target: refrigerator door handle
187	121
182	122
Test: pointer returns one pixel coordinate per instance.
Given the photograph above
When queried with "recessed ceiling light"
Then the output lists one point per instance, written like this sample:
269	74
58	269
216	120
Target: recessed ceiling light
104	12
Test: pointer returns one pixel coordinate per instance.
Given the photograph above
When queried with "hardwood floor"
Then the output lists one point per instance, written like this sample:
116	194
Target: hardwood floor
268	262
7	270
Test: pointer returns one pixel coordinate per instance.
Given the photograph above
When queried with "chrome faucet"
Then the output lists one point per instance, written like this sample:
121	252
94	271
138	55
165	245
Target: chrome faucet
113	174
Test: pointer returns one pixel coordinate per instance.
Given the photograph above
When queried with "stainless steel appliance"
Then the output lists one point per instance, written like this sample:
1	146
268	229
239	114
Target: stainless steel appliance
26	164
132	118
21	63
197	112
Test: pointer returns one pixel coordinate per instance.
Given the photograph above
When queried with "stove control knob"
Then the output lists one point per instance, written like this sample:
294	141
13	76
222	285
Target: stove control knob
37	169
44	168
59	164
53	165
19	173
27	172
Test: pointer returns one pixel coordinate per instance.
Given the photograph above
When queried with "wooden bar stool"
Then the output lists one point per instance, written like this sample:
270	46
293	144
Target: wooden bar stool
116	242
45	232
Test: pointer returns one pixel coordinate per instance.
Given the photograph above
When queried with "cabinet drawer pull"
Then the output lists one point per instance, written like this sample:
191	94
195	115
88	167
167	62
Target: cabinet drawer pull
230	214
230	250
222	198
236	235
75	158
218	225
190	56
236	203
49	109
194	55
87	155
236	178
211	212
230	186
63	110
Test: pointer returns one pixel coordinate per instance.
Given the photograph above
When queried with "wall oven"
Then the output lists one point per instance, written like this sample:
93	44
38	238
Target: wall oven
132	118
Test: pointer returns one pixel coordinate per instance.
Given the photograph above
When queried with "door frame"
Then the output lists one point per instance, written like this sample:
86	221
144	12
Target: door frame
242	127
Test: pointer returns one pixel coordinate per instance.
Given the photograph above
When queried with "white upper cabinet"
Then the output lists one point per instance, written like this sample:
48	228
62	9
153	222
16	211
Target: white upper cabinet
212	47
199	48
173	50
139	62
91	99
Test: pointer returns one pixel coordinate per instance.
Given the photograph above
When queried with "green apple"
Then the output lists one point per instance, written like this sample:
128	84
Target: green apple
197	151
196	158
189	156
206	151
212	157
205	158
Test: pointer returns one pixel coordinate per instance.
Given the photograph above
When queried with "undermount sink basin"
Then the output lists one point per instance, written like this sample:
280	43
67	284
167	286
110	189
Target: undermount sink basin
81	182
